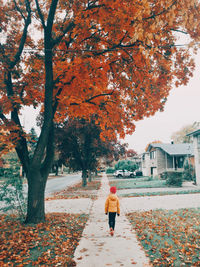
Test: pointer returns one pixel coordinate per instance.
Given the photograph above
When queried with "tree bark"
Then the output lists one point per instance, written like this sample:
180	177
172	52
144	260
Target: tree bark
89	176
56	170
84	178
36	197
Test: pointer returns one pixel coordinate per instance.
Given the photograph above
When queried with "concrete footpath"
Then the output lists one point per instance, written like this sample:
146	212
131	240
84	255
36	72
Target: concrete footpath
98	249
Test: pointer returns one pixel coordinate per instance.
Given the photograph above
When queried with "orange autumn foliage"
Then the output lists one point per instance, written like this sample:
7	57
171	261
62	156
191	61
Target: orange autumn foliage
117	59
153	142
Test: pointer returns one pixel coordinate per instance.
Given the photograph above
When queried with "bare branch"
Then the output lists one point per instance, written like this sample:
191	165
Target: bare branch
40	14
3	117
24	35
162	12
19	10
96	96
179	31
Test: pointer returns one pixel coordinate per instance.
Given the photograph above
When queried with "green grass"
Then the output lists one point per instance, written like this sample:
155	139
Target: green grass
160	193
144	182
170	238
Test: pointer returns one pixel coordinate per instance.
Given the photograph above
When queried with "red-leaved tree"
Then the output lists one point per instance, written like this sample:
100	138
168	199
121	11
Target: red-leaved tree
115	59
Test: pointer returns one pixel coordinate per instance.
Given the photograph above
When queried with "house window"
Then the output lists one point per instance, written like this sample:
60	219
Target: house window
153	154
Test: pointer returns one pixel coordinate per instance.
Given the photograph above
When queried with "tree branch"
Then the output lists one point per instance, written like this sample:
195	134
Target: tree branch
19	10
3	117
59	38
59	92
51	15
24	35
179	31
89	100
96	96
162	12
40	14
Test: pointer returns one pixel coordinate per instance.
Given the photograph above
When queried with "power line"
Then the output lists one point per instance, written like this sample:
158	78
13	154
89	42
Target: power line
100	50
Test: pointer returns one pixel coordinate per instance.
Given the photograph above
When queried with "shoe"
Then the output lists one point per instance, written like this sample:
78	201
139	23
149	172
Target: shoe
111	231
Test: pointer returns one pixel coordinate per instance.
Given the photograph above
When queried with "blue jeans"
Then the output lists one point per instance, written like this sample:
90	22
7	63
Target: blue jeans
111	219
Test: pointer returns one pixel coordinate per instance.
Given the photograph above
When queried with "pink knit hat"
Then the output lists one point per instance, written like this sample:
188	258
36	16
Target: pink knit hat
113	190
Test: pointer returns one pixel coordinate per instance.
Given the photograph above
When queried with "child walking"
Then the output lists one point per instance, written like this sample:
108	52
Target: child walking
112	208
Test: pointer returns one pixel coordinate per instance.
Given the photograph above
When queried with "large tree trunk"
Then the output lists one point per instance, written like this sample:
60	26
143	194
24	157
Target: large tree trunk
84	178
36	197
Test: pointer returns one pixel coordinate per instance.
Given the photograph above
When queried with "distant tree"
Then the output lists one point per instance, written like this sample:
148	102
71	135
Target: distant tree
131	153
153	142
32	141
114	151
80	145
57	163
126	165
181	135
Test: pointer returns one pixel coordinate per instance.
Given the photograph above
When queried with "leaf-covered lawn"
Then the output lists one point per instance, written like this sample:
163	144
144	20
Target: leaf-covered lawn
77	191
47	244
170	238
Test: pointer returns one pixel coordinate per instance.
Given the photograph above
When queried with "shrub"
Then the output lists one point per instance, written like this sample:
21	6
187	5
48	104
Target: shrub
173	178
163	175
12	193
110	170
12	196
189	172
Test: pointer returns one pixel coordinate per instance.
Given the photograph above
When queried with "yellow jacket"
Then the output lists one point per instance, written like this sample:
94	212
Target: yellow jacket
112	204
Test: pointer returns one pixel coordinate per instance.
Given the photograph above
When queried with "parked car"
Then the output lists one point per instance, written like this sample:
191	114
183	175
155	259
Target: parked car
123	173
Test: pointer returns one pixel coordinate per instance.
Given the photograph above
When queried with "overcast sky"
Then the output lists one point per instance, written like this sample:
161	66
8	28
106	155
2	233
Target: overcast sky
182	108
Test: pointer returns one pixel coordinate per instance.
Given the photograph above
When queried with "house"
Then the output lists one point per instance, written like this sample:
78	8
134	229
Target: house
165	157
196	144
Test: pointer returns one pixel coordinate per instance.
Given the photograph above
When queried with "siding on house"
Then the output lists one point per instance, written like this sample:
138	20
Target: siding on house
145	164
161	161
196	143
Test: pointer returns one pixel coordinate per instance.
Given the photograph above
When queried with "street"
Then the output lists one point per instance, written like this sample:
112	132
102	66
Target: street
54	184
60	183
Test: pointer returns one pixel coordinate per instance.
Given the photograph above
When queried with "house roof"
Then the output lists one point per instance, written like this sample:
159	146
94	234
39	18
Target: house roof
197	132
174	149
